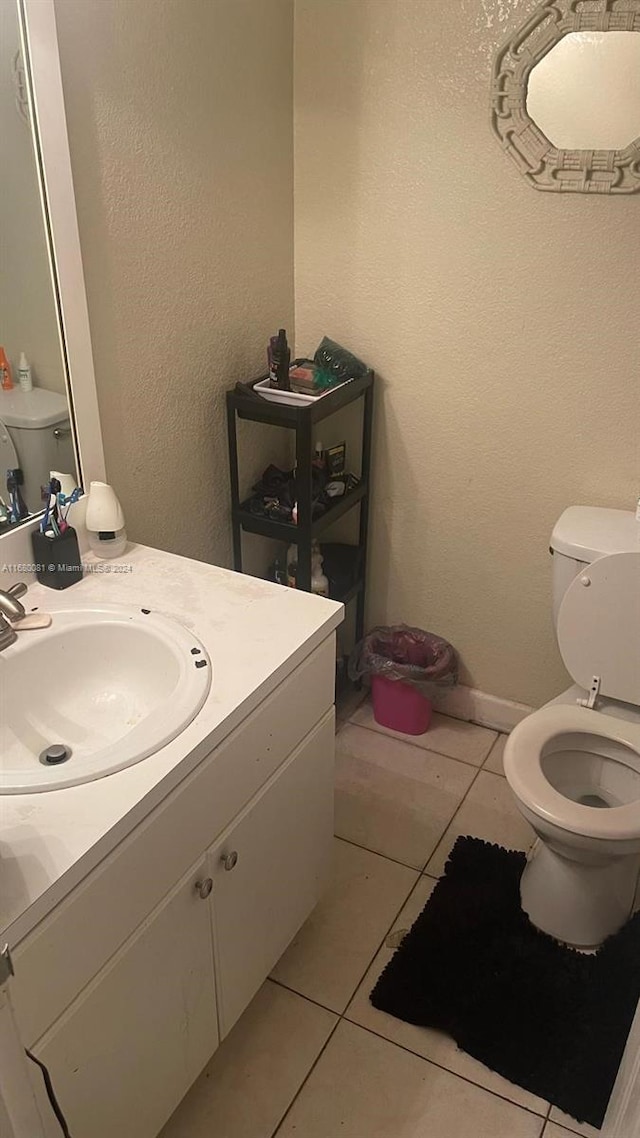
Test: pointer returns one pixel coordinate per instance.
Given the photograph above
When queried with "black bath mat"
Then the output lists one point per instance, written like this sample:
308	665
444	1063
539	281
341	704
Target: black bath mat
548	1018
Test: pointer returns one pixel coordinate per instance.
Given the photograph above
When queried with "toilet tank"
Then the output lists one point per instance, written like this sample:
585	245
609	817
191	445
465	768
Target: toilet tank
39	427
581	535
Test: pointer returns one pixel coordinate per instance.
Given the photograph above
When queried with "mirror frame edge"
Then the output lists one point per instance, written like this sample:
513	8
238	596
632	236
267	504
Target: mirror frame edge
544	166
38	27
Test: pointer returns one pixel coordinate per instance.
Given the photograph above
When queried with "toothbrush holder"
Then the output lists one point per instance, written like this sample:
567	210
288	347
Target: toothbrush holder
57	559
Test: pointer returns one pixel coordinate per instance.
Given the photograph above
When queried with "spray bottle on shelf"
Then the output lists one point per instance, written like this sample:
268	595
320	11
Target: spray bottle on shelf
24	374
319	581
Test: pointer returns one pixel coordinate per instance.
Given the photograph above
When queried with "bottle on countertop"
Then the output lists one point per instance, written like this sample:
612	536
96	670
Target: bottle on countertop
319	580
279	361
6	382
319	460
105	522
292	566
24	374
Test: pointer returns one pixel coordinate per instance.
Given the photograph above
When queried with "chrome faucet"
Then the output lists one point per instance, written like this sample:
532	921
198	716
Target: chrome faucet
10	611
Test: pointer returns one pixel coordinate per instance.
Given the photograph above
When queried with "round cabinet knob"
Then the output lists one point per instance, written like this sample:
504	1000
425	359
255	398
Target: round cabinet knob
204	887
586	581
230	860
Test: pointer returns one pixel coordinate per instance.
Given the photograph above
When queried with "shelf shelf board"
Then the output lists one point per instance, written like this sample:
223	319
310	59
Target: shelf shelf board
260	410
351	593
287	531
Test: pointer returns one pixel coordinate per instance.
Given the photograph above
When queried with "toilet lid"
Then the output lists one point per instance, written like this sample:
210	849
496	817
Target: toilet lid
8	456
599	626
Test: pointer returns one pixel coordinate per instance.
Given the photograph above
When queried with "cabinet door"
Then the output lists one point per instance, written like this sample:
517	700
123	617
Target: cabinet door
123	1054
269	870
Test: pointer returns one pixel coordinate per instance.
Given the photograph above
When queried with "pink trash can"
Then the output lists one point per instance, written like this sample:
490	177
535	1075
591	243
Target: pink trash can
400	706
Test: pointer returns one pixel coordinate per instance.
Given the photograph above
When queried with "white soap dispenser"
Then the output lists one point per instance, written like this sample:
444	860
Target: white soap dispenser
105	521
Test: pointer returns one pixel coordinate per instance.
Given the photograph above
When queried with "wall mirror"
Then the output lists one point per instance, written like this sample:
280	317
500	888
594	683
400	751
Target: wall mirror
566	96
43	317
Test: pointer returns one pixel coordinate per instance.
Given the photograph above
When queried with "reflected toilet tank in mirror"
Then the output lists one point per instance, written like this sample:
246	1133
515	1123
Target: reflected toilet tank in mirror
35	426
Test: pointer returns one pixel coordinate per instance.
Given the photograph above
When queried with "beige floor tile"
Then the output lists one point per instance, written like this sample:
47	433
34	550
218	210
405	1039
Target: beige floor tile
365	1087
453	737
394	798
327	958
570	1124
423	1041
552	1130
247	1086
495	760
489	811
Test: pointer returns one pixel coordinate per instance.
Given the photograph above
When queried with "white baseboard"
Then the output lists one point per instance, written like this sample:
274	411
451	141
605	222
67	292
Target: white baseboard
479	707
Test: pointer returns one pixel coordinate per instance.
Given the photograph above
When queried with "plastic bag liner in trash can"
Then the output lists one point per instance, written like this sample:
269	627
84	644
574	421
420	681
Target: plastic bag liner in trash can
412	655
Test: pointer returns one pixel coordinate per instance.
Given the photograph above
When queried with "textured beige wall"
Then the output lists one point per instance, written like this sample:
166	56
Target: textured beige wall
180	122
502	322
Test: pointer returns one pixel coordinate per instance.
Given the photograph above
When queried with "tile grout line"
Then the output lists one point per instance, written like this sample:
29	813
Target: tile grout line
308	1075
342	1016
393	860
455	1074
420	873
450	823
295	992
491	750
424	750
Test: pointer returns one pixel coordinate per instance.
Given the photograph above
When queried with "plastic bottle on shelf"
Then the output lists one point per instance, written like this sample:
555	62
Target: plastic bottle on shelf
6	382
25	378
319	580
292	566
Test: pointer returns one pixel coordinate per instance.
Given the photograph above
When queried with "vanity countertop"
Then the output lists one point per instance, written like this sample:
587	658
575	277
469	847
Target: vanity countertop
255	632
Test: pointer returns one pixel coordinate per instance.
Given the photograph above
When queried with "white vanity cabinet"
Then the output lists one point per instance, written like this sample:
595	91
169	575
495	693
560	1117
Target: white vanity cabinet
121	1056
268	871
125	990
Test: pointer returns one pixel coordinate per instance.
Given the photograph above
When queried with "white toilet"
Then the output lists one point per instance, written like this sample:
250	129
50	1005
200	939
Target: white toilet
574	765
35	434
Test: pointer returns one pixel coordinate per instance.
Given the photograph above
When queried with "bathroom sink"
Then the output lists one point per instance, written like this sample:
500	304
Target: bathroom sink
99	690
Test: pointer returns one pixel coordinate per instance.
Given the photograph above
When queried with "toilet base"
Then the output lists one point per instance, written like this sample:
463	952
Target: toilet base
575	902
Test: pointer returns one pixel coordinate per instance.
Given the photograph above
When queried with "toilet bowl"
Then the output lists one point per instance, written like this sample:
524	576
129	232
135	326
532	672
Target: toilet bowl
574	765
575	774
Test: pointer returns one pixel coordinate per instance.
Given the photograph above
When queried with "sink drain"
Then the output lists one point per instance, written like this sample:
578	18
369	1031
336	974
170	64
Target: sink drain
55	753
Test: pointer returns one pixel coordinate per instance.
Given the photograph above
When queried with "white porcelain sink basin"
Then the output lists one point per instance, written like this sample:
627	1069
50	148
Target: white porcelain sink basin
99	690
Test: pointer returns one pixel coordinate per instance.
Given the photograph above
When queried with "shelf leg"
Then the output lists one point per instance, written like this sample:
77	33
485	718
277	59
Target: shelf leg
363	536
236	529
304	491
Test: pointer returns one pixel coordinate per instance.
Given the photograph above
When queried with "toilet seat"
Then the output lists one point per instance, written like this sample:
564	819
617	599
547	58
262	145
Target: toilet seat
525	774
8	456
599	626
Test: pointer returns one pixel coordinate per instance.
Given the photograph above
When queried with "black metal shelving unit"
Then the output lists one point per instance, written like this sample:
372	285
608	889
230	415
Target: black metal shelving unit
244	404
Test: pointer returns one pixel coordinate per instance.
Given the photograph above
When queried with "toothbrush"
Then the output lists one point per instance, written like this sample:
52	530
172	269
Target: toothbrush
45	494
15	478
68	502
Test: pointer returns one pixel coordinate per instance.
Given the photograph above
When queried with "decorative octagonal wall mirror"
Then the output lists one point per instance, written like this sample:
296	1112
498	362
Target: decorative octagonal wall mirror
566	96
